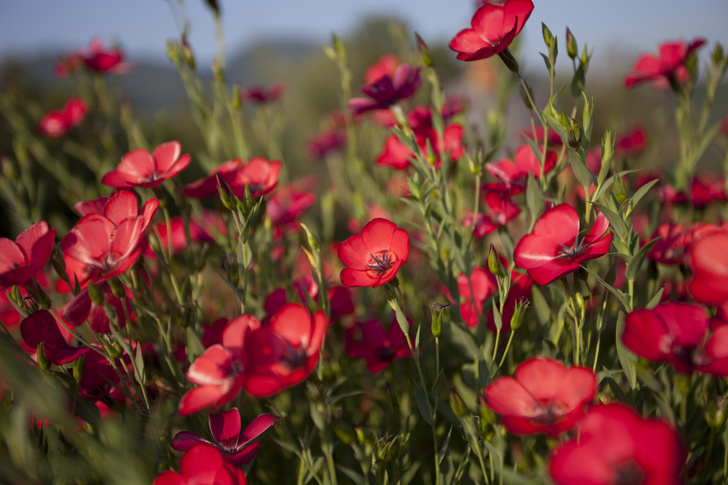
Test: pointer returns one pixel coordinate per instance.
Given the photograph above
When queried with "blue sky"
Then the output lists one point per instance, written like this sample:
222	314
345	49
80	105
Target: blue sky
616	27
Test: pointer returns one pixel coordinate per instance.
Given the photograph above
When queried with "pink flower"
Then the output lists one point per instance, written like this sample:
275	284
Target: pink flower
22	259
374	256
514	173
95	58
493	29
667	67
475	289
388	89
544	397
236	448
615	445
631	143
501	209
708	259
58	123
379	347
41	326
259	174
555	248
203	464
142	169
326	142
262	94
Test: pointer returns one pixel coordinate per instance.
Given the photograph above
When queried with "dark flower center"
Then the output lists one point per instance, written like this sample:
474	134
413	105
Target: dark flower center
385	354
572	252
549	413
628	473
295	358
382	263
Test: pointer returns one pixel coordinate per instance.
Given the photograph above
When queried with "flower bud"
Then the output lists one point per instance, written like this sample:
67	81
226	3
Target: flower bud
574	132
548	37
78	368
338	45
437	311
684	385
716	412
494	264
117	288
96	295
457	405
619	189
224	195
519	314
718	54
580	304
229	264
572	49
214	6
41	357
187	53
218	71
424	51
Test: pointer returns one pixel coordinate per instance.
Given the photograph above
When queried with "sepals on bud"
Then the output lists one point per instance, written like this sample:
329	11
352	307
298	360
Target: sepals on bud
437	311
510	61
78	368
457	405
572	49
96	295
494	264
424	51
519	314
548	37
41	357
117	288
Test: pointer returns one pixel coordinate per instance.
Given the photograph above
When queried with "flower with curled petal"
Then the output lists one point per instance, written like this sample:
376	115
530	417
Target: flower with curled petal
556	248
21	259
142	169
374	256
667	67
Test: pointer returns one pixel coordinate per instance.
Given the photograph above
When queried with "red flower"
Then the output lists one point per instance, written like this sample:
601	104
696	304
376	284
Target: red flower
475	289
259	174
493	29
675	240
101	60
708	259
41	326
202	228
58	123
288	203
262	94
388	89
395	154
203	464
676	332
81	308
102	246
379	347
284	352
615	445
236	448
520	290
666	67
707	189
385	66
220	372
374	256
544	396
141	169
22	259
555	248
324	143
501	209
514	173
631	143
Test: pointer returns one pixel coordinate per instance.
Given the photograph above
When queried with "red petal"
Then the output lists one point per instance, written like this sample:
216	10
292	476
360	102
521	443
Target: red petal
233	337
352	277
199	398
184	440
120	206
354	253
377	235
507	396
89	240
202	463
165	155
225	426
467	41
212	368
293	323
560	223
258	426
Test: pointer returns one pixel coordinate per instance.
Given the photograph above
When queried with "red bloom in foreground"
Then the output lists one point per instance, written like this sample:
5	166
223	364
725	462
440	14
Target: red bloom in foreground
493	29
220	370
389	89
41	326
262	94
142	169
514	173
708	259
260	175
380	347
544	396
555	248
58	123
667	65
236	448
616	445
676	332
203	464
285	351
22	259
374	256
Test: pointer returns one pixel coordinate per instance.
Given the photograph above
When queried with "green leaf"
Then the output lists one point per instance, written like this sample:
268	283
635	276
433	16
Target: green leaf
627	358
497	319
581	171
534	197
355	477
619	227
440	384
634	264
621	296
422	404
642	191
655	300
445	445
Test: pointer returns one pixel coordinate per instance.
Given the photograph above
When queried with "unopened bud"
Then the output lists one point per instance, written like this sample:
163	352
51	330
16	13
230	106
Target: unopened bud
96	295
214	6
548	37
580	304
224	196
78	368
457	405
716	412
494	264
338	45
41	357
519	314
187	53
718	54
117	288
473	166
218	71
437	311
619	189
572	49
574	132
229	264
424	51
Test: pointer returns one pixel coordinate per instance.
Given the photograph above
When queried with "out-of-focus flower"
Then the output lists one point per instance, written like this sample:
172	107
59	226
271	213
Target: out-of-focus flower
324	143
389	88
675	240
520	291
236	448
379	347
501	209
555	247
630	143
262	94
202	228
514	173
616	445
544	396
283	352
706	189
374	256
142	169
21	259
493	29
708	260
203	464
82	307
41	326
96	58
59	122
259	174
286	205
474	289
677	333
665	67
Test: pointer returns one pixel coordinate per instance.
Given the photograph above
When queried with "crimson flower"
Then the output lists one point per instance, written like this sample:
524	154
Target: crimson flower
707	189
259	174
236	448
675	240
220	372
285	351
82	308
374	256
555	248
104	245
631	143
41	326
59	122
288	203
616	445
475	289
142	169
665	68
202	228
501	209
101	60
396	155
262	94
493	29
708	259
100	378
203	464
324	143
544	396
514	173
678	333
388	89
379	347
21	259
